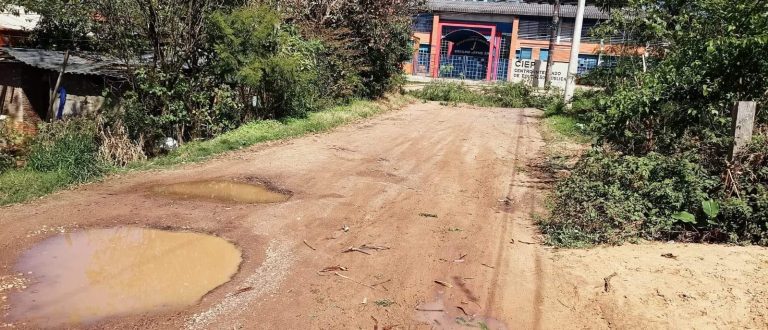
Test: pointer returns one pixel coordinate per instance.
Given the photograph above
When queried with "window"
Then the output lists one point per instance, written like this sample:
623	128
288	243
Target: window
535	28
544	55
423	60
422	23
524	54
587	63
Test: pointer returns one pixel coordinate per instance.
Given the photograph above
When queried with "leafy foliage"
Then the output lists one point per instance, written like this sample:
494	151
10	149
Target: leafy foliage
274	70
366	40
502	94
610	198
7	162
665	133
68	147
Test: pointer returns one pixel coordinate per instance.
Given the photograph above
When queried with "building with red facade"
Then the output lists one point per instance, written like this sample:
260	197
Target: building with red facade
503	41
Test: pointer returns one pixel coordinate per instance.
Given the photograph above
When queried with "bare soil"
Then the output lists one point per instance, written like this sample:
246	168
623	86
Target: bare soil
445	196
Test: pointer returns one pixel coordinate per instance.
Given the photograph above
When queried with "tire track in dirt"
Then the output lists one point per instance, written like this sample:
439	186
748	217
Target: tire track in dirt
518	297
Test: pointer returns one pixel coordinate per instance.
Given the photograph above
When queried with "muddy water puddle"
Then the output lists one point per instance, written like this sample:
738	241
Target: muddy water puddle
85	276
224	191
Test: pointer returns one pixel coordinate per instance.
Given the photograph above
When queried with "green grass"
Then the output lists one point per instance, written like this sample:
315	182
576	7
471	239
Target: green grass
23	184
567	127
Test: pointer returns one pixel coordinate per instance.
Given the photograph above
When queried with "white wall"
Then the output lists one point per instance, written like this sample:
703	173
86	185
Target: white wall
533	72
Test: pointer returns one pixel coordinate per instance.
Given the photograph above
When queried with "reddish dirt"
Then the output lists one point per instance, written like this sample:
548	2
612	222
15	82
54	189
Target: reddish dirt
381	178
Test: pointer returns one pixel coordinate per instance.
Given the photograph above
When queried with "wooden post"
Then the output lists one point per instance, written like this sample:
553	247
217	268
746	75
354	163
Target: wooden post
743	115
52	110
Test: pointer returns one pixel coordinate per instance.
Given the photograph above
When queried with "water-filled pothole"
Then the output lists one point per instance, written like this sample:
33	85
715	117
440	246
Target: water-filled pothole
223	190
85	276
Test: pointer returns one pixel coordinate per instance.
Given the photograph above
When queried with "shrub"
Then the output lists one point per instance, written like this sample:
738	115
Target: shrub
509	95
115	146
501	94
611	198
7	162
68	147
450	92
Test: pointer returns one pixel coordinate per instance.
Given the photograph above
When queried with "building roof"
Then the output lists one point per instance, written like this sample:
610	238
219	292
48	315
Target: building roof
88	64
18	19
512	8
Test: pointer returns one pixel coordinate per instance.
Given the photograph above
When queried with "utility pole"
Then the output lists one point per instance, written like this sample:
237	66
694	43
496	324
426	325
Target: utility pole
570	81
552	41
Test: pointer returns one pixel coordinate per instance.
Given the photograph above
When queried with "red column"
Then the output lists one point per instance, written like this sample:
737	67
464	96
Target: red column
437	36
491	54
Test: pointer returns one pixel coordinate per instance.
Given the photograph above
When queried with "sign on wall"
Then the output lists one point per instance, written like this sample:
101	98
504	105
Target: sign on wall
533	72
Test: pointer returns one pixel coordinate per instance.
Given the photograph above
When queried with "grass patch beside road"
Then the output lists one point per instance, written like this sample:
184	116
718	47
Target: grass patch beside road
23	184
271	130
566	127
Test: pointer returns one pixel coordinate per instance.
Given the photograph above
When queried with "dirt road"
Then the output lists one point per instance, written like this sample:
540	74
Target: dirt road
449	192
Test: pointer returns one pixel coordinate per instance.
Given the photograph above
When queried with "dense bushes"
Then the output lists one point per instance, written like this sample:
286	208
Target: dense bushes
68	147
610	198
502	94
7	162
663	170
365	41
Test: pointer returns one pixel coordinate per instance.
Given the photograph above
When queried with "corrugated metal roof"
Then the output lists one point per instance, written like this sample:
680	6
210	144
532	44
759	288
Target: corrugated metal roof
18	19
77	63
512	8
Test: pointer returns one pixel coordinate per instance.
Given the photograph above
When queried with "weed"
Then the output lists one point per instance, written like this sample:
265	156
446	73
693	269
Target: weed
69	147
7	162
384	302
24	184
502	94
568	127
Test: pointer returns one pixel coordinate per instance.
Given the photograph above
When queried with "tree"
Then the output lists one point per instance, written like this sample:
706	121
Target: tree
367	40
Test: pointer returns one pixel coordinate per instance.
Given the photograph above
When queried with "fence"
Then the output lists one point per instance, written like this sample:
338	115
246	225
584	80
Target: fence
458	66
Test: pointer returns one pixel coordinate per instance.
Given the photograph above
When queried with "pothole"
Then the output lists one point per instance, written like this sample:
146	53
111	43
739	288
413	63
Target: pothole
84	276
224	191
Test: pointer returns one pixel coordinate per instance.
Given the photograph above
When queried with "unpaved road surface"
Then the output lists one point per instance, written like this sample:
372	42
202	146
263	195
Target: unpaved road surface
450	193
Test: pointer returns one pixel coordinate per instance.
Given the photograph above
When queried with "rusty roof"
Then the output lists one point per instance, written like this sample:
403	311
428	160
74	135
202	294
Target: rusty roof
78	63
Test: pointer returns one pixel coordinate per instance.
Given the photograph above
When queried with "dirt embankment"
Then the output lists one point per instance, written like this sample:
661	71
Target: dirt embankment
447	197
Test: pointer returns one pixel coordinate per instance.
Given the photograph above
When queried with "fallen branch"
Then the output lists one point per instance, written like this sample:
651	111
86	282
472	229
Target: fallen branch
380	283
429	310
310	246
333	269
239	291
445	284
373	247
353	280
607	286
489	266
354	249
